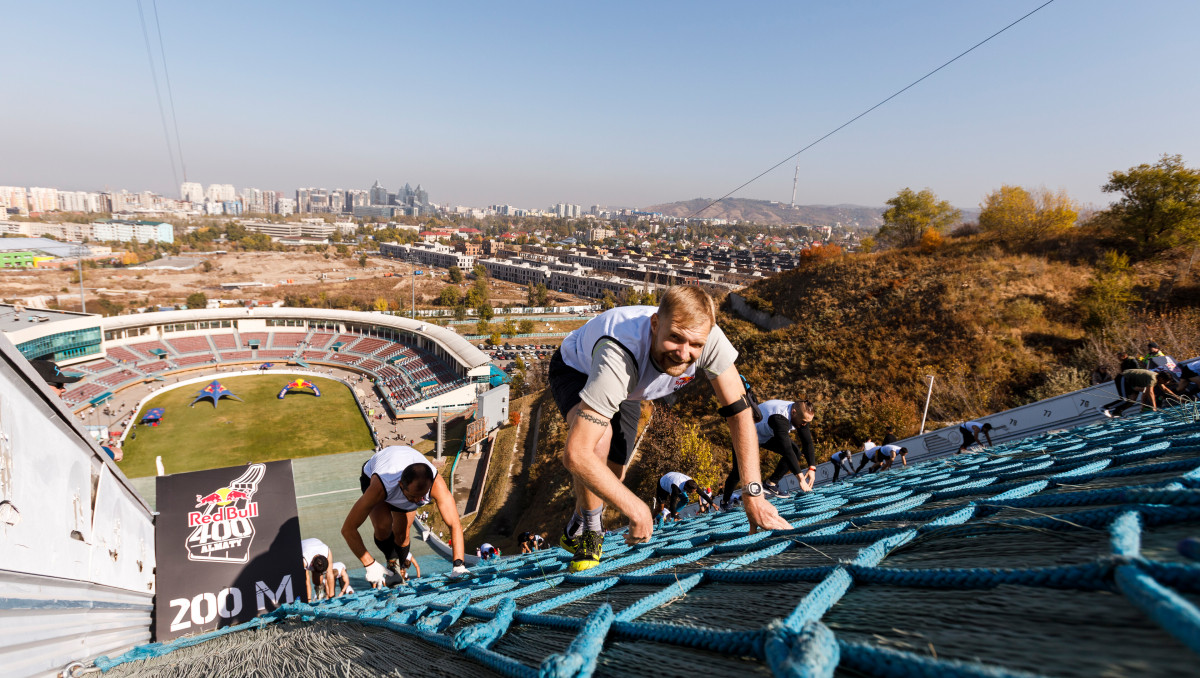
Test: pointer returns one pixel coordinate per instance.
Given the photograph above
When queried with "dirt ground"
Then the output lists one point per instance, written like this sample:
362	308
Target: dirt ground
280	273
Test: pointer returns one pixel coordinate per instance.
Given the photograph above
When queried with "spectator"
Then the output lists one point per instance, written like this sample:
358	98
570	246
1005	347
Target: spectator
1100	375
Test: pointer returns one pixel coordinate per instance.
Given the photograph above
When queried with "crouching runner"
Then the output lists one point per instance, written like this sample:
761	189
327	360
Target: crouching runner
598	378
395	482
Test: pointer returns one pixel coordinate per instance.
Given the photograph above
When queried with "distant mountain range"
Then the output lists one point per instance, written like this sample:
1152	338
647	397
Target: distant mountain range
769	212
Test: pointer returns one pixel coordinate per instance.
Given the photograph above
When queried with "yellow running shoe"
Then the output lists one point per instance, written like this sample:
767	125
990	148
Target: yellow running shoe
588	549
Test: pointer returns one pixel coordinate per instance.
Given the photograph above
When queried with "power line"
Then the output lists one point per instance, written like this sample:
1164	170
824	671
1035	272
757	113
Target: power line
170	95
158	94
895	94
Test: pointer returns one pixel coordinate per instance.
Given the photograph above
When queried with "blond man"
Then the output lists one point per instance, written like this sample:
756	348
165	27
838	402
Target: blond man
598	378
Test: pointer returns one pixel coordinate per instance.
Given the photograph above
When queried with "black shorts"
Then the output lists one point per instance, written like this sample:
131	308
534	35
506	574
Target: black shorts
364	481
968	436
566	383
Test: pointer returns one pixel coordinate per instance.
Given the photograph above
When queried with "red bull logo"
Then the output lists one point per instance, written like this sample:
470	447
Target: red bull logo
223	526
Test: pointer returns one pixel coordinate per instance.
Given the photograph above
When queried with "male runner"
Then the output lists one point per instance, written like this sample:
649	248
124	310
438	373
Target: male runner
672	492
843	460
395	482
599	376
339	572
971	430
316	557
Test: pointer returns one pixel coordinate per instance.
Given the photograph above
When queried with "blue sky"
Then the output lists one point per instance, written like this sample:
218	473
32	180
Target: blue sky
624	104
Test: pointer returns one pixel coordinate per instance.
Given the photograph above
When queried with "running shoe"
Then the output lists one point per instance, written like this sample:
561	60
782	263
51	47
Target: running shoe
569	544
773	490
589	547
1105	412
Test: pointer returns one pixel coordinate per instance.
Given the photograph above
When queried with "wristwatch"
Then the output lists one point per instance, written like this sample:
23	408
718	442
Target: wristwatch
753	490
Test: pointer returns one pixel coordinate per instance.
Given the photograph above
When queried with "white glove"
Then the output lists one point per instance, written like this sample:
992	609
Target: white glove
346	590
376	575
459	571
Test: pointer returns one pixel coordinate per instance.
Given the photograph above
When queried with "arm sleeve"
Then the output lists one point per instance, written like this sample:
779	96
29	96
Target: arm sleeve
718	354
806	445
780	428
612	378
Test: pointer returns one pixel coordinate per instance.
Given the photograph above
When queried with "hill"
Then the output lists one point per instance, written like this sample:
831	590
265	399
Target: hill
996	329
769	212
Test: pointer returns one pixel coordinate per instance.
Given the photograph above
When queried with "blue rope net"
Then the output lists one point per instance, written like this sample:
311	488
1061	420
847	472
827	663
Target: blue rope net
1064	554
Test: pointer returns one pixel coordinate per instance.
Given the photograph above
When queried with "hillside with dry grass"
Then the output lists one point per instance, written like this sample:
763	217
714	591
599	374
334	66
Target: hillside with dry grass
996	329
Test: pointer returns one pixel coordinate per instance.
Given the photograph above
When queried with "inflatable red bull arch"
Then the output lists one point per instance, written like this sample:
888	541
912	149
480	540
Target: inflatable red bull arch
300	384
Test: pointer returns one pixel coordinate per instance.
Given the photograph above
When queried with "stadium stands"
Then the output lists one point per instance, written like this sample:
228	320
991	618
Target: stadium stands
185	345
287	340
124	355
224	342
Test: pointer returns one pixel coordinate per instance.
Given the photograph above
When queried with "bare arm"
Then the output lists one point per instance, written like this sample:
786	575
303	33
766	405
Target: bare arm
417	567
358	515
308	583
1150	396
761	514
328	575
579	456
449	511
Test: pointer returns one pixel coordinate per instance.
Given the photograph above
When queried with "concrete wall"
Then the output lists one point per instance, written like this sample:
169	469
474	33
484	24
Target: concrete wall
76	541
763	320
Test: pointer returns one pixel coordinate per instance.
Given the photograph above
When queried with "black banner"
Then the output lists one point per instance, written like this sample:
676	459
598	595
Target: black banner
227	543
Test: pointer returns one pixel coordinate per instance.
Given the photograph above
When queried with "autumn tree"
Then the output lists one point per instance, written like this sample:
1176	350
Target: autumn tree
1159	205
910	214
1012	214
456	275
380	304
526	326
197	300
1108	298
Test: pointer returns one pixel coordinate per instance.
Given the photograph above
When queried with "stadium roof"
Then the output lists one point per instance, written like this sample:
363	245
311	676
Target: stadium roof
54	248
11	320
1059	555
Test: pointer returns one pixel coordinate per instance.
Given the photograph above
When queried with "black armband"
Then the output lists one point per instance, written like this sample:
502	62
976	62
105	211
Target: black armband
735	407
458	562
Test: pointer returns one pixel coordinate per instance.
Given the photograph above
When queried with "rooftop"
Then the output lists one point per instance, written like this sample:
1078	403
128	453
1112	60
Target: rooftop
56	248
12	319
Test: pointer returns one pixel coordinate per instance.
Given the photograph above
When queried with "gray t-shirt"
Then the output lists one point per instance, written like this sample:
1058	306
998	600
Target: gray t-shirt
614	373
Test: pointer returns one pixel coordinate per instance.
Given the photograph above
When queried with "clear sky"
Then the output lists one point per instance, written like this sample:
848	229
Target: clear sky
618	103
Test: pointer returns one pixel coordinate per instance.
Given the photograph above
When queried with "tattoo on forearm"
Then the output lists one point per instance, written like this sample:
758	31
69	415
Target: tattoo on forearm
593	418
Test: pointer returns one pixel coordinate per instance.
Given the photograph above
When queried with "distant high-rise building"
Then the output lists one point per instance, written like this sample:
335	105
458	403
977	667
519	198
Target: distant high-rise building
285	206
220	192
15	198
356	197
378	194
337	199
43	199
191	191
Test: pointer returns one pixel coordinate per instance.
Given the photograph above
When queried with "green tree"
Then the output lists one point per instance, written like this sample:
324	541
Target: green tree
910	214
1013	214
526	326
608	300
630	297
197	300
456	275
449	296
1159	205
1107	300
362	261
483	327
510	327
542	297
495	339
460	312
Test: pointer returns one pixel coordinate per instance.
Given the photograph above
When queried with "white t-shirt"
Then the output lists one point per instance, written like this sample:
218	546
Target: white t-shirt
389	463
311	548
972	425
889	450
337	568
840	455
768	409
870	451
673	478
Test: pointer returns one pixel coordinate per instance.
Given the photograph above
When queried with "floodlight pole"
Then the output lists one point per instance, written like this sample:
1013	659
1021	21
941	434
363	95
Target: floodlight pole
79	257
927	397
412	268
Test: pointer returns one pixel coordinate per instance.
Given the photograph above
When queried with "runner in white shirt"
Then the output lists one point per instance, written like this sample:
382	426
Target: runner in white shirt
395	482
598	378
843	460
317	557
339	572
672	492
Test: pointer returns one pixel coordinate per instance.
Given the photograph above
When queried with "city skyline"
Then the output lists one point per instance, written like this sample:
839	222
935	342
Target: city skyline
626	106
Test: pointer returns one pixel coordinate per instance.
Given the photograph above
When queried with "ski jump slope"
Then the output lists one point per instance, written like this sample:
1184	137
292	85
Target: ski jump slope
1063	554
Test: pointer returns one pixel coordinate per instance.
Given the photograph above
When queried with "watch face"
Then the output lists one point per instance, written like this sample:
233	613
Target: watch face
754	489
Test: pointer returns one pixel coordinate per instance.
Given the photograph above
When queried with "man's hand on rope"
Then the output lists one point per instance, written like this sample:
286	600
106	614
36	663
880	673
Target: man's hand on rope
763	516
641	525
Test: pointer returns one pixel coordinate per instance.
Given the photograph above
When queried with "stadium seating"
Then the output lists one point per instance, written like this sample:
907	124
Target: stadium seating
185	345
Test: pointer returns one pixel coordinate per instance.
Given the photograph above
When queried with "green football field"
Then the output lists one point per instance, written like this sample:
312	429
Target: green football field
258	428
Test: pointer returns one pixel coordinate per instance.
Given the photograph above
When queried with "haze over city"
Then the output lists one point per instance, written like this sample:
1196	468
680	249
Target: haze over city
625	105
